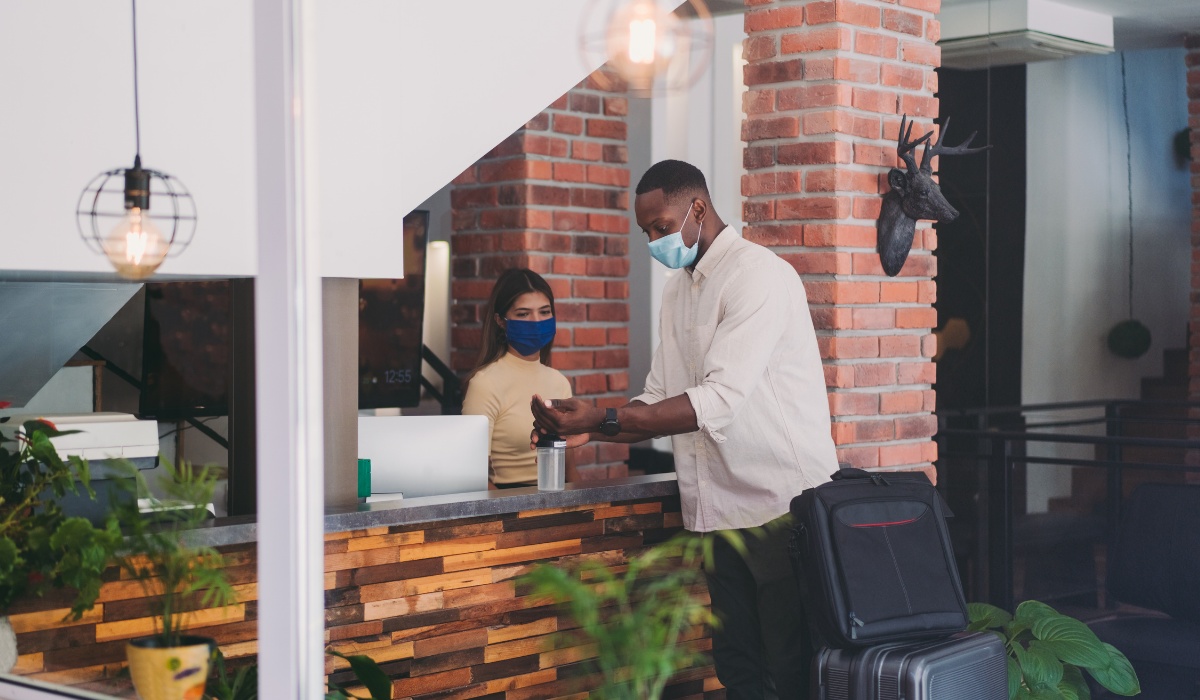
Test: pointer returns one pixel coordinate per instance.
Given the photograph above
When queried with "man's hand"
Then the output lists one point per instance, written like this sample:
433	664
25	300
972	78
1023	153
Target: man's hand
565	416
572	440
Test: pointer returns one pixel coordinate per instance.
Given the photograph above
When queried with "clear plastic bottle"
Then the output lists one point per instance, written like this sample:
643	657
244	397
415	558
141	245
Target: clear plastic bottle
551	463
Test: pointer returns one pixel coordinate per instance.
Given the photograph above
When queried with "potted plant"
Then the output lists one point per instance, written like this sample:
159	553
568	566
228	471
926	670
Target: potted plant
637	620
40	548
1048	653
242	684
177	579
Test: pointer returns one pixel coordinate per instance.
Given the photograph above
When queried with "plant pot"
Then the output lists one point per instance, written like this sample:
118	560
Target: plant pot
162	672
8	646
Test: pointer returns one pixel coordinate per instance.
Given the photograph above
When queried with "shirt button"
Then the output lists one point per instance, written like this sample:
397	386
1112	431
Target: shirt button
704	483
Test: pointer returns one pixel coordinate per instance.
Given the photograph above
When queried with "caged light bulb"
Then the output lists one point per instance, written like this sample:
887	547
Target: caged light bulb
135	246
641	40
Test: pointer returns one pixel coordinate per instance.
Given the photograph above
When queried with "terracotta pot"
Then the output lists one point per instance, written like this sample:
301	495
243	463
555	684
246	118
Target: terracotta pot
162	672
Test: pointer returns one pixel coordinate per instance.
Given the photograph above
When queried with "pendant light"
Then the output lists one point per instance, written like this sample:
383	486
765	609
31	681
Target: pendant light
114	213
1130	338
653	49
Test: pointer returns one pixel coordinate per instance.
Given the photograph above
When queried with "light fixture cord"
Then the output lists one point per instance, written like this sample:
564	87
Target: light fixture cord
137	122
1128	175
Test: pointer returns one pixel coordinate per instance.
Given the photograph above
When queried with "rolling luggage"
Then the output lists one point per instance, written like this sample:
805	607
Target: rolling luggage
873	560
966	666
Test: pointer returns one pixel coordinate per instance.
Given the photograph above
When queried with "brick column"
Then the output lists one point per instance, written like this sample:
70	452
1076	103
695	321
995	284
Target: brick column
1193	91
554	197
827	83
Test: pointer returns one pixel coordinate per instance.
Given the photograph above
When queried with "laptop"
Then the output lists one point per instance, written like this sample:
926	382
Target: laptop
414	456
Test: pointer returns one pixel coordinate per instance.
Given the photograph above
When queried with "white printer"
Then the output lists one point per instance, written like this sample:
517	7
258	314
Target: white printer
102	436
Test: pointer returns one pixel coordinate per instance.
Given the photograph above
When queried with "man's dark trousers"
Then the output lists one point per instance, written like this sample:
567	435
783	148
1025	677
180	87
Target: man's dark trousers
762	648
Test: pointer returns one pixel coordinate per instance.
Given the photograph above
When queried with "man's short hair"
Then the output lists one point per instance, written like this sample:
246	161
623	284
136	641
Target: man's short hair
675	178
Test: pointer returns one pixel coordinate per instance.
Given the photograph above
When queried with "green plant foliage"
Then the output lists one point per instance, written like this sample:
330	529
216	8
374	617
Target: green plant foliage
40	548
635	618
244	683
1048	653
177	578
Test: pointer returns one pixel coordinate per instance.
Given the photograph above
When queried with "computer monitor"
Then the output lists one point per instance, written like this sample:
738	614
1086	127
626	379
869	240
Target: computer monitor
425	455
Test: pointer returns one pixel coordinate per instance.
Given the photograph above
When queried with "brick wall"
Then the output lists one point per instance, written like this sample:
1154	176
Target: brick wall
1193	92
827	84
436	604
554	197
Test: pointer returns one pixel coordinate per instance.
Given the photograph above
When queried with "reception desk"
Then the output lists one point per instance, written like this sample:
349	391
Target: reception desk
427	587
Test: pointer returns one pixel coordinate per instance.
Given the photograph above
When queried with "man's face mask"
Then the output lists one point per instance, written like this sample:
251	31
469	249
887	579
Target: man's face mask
671	251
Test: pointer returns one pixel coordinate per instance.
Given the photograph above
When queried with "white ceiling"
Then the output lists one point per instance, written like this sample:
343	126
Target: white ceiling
1141	24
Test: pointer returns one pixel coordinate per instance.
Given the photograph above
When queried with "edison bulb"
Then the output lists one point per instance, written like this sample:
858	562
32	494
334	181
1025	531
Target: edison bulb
135	246
641	42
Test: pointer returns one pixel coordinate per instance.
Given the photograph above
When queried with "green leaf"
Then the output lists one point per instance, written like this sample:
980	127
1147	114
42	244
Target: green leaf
1044	693
1039	665
1073	686
1031	611
369	674
9	556
1118	676
1071	640
984	616
83	472
1014	677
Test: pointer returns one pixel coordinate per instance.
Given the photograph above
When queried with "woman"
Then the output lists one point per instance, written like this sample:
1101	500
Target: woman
513	365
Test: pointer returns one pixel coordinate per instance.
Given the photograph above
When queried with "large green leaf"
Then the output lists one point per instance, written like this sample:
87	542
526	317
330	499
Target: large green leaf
1031	611
1043	693
1073	686
1071	640
1014	677
369	674
984	616
1118	676
1039	665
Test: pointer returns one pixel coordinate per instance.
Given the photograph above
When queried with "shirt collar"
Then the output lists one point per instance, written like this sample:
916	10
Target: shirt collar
712	257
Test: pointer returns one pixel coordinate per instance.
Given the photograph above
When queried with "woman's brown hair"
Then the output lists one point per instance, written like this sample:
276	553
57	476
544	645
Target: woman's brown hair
512	284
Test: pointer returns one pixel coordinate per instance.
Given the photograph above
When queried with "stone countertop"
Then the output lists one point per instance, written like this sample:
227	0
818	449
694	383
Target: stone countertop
243	529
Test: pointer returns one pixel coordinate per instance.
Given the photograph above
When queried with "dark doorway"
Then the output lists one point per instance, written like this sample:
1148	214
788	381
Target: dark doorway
979	340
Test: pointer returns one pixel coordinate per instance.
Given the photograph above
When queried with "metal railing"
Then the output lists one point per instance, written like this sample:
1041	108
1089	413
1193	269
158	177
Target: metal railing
983	452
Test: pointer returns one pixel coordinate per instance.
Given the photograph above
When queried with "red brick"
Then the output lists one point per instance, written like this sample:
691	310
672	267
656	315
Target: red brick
927	291
840	180
612	359
573	359
757	48
916	317
931	81
934	6
464	313
615	153
853	404
919	105
874	318
515	218
830	95
754	157
539	123
873	374
813	208
470	289
840	376
585	150
616	246
842	292
907	77
758	101
772	72
560	288
616	106
532	240
466	337
839	235
588	245
848	347
607	267
783	235
899	346
564	265
917	373
570	172
898	293
608	312
514	169
466	177
546	195
915	266
903	22
930	399
922	53
916	427
869	154
616	289
608	223
875	44
901	402
762	20
813	152
774	128
590	384
841	122
856	70
473	197
867	207
606	129
933	30
843	11
570	313
604	175
568	124
875	100
896	455
618	336
831	317
588	289
860	457
584	102
818	263
758	211
605	81
824	39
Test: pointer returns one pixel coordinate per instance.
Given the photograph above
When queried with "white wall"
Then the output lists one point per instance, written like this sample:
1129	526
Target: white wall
401	104
1076	230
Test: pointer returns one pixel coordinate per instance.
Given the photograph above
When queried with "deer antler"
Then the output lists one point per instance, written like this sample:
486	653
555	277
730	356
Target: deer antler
905	147
937	149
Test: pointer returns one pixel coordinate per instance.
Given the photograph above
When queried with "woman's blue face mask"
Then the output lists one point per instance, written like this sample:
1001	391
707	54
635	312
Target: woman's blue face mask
528	337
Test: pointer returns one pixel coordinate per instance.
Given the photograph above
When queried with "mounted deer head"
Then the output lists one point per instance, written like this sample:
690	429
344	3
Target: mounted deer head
914	195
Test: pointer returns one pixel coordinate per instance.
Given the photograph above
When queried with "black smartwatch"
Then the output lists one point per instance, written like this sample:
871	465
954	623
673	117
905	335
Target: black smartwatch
611	426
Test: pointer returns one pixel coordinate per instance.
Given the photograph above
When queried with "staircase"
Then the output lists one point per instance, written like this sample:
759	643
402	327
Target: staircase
1088	484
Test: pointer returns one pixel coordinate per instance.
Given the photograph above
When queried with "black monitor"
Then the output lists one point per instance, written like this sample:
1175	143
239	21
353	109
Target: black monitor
185	350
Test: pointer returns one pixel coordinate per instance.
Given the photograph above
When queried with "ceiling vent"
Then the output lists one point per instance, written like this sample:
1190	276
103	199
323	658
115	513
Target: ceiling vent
1018	32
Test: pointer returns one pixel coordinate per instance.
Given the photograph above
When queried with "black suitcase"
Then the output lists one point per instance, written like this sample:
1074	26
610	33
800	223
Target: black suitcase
967	666
873	559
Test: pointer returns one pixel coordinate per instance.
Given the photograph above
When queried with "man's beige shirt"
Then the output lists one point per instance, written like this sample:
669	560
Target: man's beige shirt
738	339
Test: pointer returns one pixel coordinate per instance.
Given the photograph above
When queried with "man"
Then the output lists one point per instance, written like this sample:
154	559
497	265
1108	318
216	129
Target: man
737	381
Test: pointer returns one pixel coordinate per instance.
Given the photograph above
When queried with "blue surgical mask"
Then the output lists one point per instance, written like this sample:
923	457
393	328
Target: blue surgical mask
670	250
528	337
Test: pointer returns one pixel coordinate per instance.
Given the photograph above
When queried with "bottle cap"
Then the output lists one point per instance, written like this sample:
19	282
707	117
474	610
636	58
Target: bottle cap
551	440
